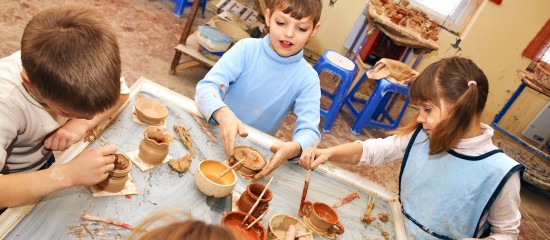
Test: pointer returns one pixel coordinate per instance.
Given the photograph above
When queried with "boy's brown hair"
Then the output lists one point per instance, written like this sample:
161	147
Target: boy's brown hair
299	9
71	55
448	79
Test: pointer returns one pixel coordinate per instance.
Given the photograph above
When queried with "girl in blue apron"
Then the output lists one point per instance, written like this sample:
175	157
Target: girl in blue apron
454	182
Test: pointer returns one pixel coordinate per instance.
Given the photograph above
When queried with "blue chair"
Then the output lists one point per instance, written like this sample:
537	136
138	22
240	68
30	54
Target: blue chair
376	109
345	69
182	4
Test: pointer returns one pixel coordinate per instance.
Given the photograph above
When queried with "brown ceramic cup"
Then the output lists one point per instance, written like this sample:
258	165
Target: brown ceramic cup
323	217
234	221
250	196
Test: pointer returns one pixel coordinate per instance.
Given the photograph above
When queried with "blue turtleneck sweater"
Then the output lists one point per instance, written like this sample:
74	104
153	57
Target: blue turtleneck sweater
261	88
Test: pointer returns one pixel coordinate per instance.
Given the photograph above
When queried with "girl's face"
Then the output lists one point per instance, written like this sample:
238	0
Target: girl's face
430	115
288	36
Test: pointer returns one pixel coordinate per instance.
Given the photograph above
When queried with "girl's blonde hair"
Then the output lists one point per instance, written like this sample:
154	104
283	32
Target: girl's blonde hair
460	83
174	224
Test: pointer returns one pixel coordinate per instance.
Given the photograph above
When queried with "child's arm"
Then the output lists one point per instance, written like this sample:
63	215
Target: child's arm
74	129
349	153
88	168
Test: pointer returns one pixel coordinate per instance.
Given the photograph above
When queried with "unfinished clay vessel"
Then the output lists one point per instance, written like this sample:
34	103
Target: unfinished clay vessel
207	171
150	111
254	162
322	217
155	145
249	197
117	178
279	223
233	220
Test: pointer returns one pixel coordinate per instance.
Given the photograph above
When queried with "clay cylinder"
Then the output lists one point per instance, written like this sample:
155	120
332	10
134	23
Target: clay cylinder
155	145
249	197
117	178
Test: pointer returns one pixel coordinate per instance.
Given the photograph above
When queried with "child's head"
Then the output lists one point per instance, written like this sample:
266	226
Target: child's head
173	224
71	59
451	94
291	24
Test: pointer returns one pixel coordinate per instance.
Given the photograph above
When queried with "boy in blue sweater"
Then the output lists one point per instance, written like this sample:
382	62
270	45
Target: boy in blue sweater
259	81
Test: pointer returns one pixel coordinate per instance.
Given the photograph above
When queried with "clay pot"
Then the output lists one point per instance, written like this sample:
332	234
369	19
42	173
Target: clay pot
249	197
322	217
117	178
254	162
233	221
150	111
209	170
155	145
279	223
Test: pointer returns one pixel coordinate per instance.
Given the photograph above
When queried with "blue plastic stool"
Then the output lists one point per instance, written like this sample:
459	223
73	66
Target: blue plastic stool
341	66
376	110
182	4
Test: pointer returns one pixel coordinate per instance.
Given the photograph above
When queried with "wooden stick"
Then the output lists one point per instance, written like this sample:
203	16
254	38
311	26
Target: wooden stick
257	219
229	169
306	183
106	220
257	201
88	230
205	128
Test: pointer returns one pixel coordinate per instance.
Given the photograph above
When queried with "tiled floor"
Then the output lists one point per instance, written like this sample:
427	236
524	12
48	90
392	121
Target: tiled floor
148	33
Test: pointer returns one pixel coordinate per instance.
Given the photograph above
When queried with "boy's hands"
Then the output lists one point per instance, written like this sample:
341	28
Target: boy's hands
282	152
91	166
65	136
321	156
230	126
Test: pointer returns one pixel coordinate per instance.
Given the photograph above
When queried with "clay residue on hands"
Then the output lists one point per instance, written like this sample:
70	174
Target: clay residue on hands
182	164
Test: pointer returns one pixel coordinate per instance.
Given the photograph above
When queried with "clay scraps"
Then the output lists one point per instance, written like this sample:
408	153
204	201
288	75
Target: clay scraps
182	164
346	199
185	138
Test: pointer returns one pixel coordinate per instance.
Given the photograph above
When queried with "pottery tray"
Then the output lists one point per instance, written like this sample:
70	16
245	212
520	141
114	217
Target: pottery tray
57	216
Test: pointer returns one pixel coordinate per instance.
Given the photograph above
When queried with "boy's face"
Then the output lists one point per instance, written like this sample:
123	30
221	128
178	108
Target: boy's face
288	36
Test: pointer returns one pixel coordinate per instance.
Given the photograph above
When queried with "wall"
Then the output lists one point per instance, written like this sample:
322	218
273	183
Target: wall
494	39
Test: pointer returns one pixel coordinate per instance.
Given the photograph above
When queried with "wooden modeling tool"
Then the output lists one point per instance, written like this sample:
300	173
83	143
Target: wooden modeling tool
257	219
229	169
205	128
257	201
346	199
306	183
106	220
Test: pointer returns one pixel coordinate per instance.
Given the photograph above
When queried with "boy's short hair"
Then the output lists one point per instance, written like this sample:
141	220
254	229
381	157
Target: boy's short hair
71	55
299	9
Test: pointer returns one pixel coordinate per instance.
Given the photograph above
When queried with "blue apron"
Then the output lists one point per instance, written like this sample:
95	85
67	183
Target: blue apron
444	196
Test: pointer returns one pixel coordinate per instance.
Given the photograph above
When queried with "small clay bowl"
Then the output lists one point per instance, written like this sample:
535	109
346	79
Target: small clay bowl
254	162
117	178
209	170
233	221
279	223
150	111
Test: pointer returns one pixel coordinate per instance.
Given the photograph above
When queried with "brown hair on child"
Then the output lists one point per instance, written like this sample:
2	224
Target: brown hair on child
71	55
299	9
448	79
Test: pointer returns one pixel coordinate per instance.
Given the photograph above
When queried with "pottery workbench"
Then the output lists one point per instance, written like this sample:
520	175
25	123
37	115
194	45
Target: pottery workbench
57	216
